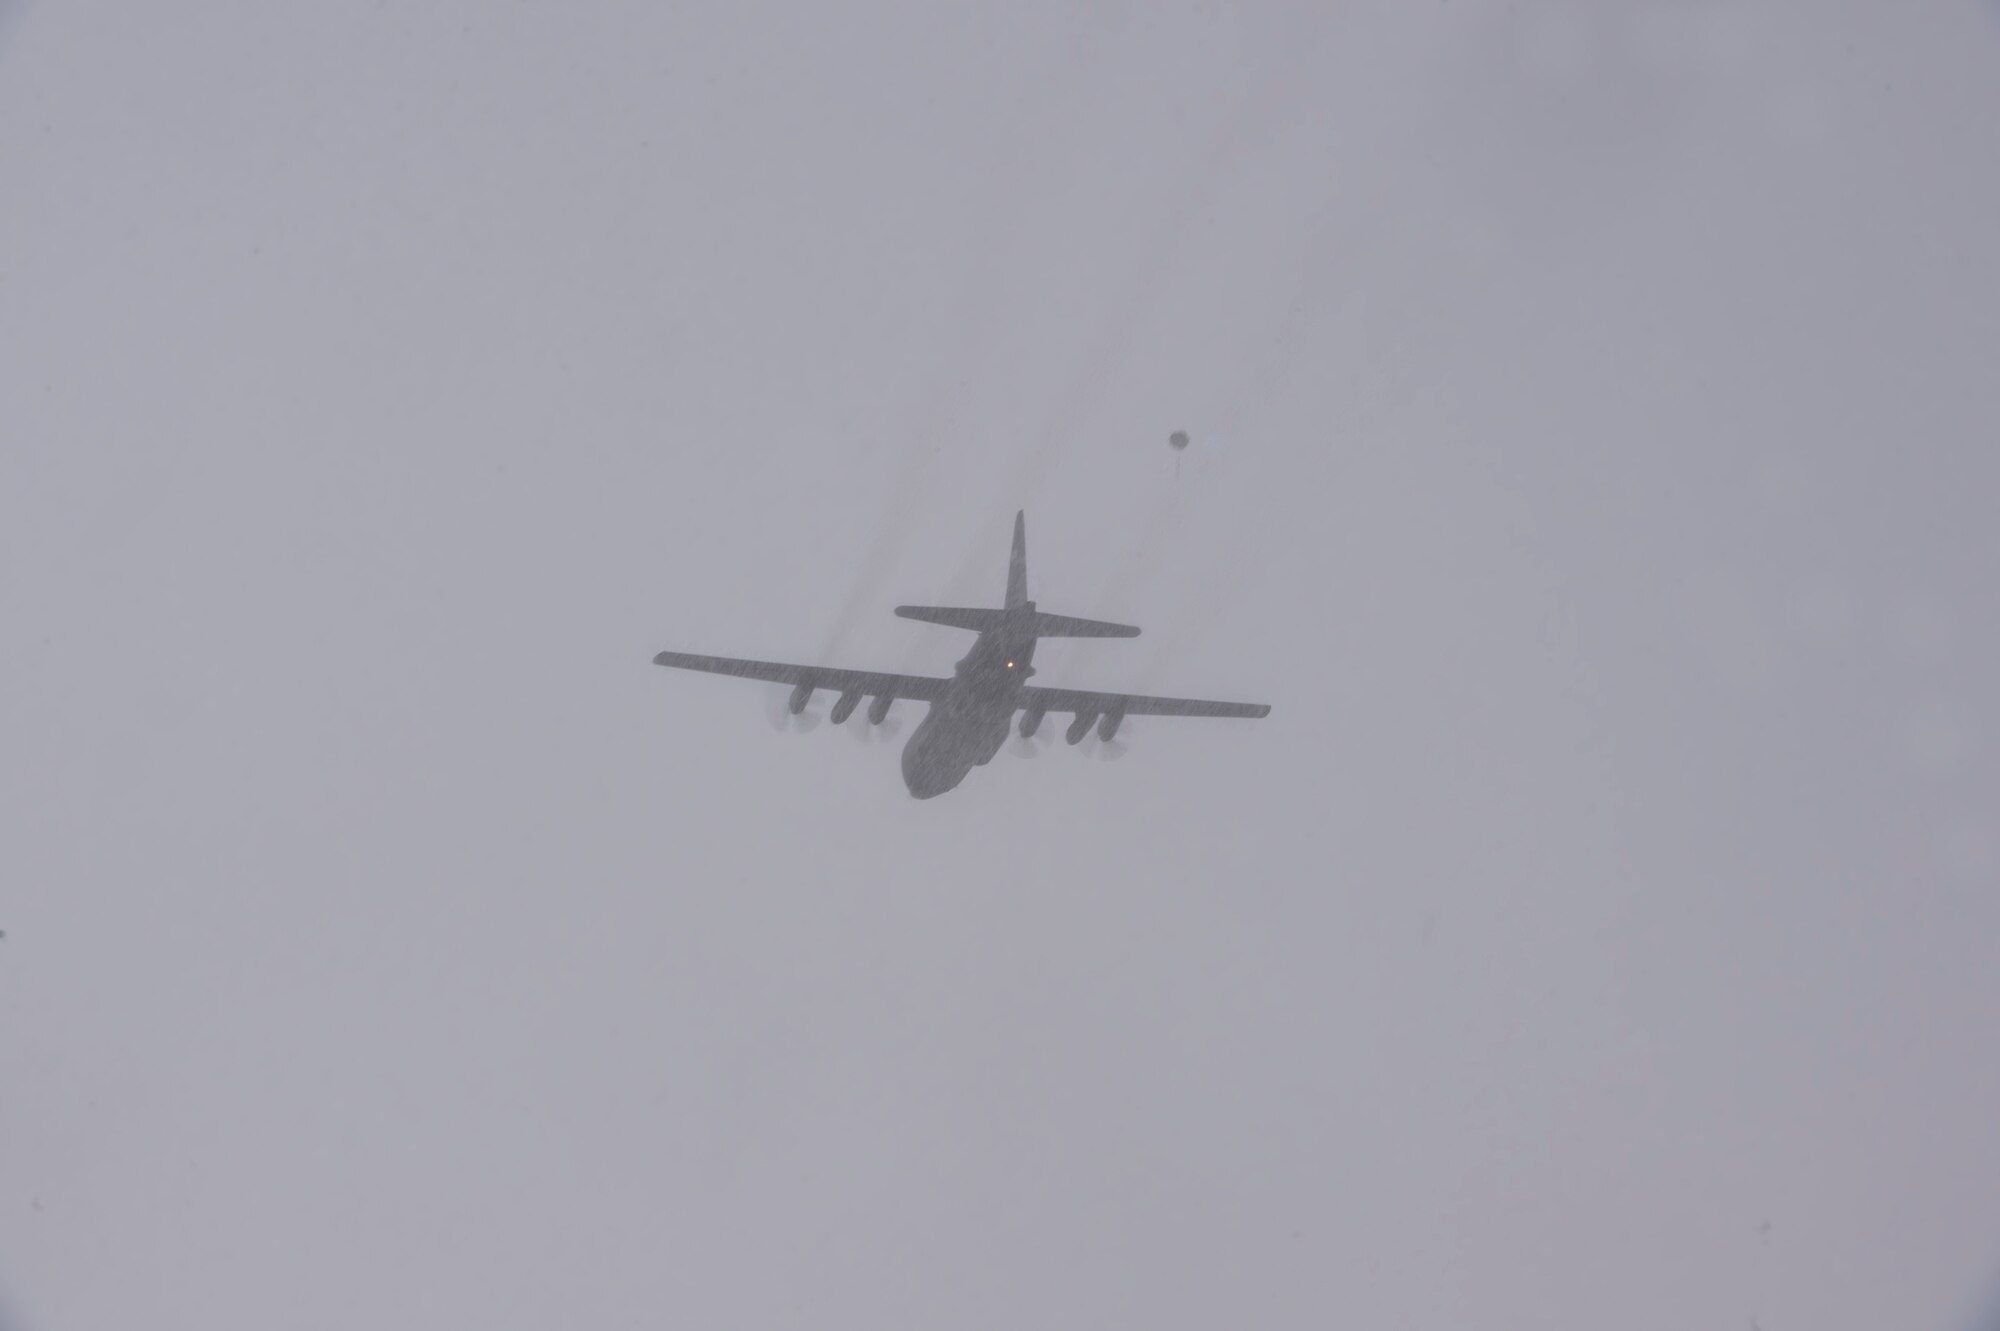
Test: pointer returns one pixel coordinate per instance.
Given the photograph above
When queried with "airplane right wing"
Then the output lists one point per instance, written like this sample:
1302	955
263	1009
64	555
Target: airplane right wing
1085	703
922	688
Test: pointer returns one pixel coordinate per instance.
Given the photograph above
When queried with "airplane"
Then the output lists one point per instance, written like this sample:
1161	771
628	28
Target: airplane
970	712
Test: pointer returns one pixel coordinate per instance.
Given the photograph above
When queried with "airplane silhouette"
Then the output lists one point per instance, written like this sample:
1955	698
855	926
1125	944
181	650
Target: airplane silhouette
970	712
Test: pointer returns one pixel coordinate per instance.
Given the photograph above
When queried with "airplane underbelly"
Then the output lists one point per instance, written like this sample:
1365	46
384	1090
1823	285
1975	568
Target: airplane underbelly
988	739
945	747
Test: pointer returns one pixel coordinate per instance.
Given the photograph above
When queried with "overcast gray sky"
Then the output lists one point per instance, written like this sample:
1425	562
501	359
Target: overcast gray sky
1594	466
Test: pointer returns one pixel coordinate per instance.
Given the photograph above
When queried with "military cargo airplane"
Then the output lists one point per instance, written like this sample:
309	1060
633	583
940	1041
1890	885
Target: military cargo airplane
970	712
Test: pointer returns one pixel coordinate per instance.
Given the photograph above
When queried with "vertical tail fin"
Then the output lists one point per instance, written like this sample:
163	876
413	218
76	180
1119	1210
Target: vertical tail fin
1041	625
1017	565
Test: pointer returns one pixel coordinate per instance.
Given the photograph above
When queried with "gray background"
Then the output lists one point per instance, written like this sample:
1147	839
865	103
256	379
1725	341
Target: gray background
1594	467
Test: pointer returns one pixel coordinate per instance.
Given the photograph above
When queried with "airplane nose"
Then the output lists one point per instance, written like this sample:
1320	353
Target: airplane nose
925	781
926	785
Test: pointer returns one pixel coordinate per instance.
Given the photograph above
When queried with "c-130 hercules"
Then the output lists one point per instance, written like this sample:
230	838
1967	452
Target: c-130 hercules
969	713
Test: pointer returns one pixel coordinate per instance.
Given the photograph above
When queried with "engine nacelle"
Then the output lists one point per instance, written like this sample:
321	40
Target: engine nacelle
844	707
800	697
1031	721
1079	727
1109	725
878	711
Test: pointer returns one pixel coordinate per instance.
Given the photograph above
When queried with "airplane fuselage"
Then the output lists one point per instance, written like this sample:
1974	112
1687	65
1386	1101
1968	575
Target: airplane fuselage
965	728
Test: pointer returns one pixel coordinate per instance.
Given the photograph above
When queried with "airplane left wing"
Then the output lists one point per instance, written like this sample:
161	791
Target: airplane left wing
1085	703
922	688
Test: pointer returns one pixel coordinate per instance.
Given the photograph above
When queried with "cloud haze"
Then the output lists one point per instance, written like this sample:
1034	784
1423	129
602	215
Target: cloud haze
1594	467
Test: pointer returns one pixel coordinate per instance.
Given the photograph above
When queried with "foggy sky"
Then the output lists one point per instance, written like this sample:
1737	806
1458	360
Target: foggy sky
1594	467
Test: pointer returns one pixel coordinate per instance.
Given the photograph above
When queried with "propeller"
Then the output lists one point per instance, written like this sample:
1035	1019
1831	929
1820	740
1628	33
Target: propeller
1032	746
1105	750
1090	745
858	726
777	710
1035	747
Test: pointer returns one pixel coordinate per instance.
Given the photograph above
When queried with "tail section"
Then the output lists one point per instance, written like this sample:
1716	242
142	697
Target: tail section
1041	625
1018	606
1017	564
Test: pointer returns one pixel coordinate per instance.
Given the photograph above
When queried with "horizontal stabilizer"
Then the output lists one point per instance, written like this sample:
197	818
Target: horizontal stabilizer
1042	626
1067	626
955	617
